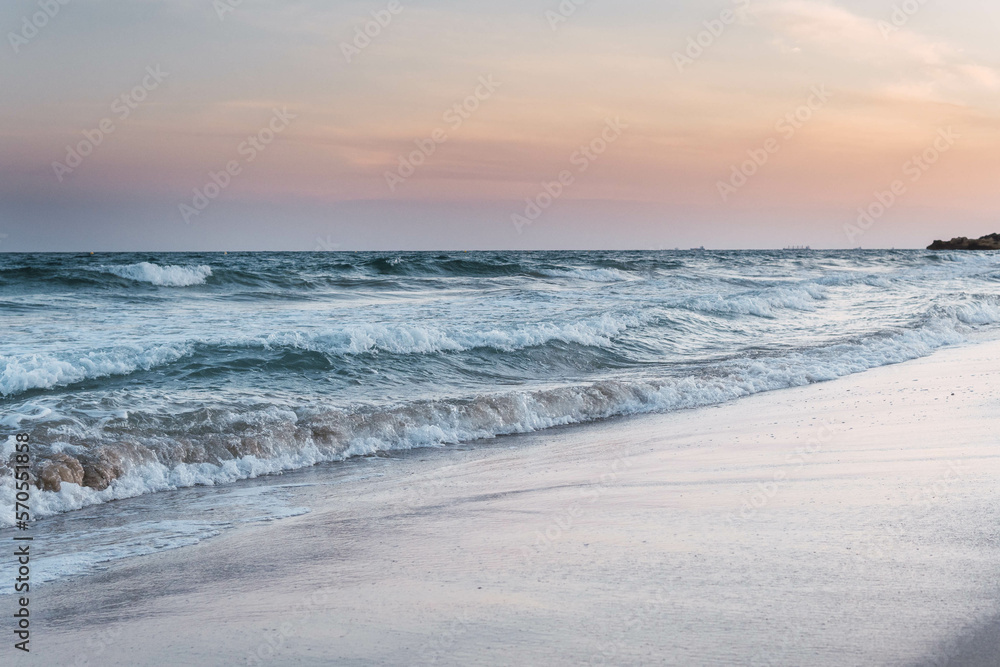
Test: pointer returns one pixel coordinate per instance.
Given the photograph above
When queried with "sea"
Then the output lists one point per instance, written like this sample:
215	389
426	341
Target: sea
138	374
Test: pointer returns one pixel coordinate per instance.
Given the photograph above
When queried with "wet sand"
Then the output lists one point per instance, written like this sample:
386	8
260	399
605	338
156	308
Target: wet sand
855	522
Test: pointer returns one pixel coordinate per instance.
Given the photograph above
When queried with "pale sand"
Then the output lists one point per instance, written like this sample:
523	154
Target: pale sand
880	545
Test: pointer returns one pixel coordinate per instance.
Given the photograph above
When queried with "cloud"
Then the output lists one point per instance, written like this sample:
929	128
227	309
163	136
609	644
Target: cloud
902	61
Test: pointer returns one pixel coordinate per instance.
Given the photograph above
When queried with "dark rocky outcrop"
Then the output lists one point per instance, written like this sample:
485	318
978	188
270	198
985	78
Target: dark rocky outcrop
988	242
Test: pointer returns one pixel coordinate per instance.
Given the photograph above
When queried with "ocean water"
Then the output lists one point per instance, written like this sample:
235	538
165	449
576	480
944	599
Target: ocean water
139	373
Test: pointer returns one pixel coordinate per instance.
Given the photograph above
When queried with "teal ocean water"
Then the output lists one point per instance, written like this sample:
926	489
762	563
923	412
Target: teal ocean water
136	373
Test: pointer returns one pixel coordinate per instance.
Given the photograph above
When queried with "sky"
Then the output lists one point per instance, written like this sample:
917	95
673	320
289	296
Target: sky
528	124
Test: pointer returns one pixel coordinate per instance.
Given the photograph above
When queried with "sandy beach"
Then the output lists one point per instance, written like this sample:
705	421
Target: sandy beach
852	522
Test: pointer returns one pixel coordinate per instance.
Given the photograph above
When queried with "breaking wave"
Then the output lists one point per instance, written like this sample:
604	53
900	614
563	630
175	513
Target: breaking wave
44	371
217	445
163	276
278	361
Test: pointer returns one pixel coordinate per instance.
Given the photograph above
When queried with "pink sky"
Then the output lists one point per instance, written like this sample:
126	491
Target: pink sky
887	84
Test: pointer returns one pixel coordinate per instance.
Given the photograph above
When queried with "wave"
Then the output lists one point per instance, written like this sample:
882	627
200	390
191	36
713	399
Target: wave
302	273
602	275
163	276
759	303
45	371
150	453
970	309
22	373
418	265
492	344
19	374
415	339
445	266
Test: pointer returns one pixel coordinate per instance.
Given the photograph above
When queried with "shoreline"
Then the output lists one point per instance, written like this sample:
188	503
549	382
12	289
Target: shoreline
771	528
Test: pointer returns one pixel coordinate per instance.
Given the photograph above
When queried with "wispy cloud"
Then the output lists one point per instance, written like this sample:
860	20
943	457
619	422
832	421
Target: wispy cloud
900	62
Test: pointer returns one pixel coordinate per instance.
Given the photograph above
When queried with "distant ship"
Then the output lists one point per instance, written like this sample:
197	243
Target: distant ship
798	247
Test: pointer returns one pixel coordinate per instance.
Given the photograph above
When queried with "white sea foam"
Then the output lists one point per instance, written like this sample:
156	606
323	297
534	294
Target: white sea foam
155	477
443	422
975	312
111	544
43	371
762	303
164	276
75	550
915	318
428	339
22	373
592	275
